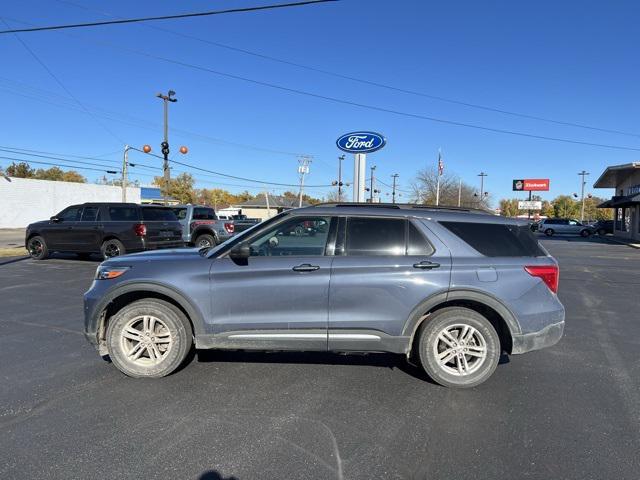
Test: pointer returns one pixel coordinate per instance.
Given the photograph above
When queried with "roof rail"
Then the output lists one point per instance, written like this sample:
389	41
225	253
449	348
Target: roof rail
401	206
356	204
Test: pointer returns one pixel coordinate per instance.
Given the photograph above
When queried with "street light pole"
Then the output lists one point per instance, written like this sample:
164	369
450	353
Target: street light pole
583	173
125	164
482	175
373	168
393	191
303	169
165	144
340	159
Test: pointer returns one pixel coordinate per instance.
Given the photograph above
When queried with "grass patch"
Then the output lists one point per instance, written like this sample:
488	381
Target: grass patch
13	252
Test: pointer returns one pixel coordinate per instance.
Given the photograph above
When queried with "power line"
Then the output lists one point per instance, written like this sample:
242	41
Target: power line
54	164
363	81
62	85
165	17
367	106
242	178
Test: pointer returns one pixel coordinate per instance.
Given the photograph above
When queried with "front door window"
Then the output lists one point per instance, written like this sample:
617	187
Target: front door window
298	236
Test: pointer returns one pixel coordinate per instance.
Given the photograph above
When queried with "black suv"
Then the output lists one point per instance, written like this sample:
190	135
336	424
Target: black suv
110	229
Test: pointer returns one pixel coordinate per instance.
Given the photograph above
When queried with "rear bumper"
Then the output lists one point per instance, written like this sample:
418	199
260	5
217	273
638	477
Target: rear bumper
547	337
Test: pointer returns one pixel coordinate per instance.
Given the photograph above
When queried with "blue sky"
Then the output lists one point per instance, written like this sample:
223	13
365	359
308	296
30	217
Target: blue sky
571	61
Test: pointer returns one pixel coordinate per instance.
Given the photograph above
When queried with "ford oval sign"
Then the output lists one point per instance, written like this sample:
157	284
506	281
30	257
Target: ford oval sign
361	142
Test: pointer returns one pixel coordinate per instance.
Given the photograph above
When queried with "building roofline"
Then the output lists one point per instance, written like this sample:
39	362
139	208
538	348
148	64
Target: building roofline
607	177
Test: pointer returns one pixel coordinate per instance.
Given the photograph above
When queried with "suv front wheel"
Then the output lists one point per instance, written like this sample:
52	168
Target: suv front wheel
149	338
549	232
458	347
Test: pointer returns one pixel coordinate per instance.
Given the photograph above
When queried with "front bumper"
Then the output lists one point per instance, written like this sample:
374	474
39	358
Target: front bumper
547	337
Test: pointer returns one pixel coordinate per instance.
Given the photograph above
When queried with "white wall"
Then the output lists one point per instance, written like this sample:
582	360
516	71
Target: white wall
24	200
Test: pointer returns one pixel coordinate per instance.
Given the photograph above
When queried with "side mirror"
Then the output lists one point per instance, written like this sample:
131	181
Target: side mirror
55	219
240	253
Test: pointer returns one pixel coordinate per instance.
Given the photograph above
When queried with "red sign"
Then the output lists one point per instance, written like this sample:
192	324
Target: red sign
531	185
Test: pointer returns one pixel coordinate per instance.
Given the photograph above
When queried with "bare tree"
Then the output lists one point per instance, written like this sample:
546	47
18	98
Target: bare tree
423	190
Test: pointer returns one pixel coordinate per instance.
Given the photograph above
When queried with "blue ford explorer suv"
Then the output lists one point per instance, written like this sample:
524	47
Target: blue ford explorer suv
449	288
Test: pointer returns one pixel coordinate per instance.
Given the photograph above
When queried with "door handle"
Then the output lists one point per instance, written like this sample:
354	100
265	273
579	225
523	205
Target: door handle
426	265
306	267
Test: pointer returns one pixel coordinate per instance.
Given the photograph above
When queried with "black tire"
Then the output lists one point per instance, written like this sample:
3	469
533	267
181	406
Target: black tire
585	233
205	240
170	318
112	248
602	232
484	338
549	232
37	248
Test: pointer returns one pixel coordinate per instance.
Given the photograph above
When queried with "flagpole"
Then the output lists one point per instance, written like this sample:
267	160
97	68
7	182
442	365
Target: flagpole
438	179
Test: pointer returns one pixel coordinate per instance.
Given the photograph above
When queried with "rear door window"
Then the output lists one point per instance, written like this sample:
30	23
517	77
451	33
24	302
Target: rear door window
123	214
90	214
180	213
497	239
375	236
158	214
204	214
417	244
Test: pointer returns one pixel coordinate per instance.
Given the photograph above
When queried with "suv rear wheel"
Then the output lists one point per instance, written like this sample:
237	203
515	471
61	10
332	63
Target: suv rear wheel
37	248
149	338
205	240
458	347
112	248
585	233
549	231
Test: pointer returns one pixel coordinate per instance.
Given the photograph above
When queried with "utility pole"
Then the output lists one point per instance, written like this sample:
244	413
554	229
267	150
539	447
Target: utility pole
393	191
125	164
459	192
165	144
583	173
371	190
482	175
303	169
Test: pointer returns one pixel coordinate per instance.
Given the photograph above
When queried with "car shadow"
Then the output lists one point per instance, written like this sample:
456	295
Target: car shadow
214	475
383	360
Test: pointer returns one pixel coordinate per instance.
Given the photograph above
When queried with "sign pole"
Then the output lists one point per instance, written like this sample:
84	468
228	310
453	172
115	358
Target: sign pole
529	211
359	177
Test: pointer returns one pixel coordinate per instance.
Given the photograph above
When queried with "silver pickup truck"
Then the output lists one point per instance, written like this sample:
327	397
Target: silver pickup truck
201	227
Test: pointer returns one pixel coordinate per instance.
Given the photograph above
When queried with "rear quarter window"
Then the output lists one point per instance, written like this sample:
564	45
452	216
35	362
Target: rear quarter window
158	214
123	214
497	239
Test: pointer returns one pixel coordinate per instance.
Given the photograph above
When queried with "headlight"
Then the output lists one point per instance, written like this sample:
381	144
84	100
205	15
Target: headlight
109	273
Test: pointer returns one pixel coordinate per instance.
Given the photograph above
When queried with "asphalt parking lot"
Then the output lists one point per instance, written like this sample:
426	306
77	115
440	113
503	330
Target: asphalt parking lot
569	412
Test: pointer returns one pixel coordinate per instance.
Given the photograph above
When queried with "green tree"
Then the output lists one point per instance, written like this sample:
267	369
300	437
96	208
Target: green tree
73	176
564	206
509	207
547	209
20	170
53	173
180	187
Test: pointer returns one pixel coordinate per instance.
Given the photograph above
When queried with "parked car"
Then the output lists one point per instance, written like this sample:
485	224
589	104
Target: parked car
242	222
553	226
201	227
602	227
451	290
110	229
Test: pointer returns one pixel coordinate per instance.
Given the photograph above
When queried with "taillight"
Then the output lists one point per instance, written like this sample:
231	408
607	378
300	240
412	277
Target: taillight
140	229
548	273
229	227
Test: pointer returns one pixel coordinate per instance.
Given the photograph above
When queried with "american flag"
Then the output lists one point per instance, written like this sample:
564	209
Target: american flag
440	164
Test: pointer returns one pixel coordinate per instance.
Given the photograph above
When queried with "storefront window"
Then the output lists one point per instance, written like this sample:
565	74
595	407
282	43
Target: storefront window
619	226
627	220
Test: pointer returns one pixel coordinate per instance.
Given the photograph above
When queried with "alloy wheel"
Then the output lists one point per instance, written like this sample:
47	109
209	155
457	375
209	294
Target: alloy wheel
460	349
146	340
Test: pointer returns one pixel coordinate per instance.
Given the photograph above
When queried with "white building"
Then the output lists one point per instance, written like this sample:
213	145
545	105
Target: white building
25	200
